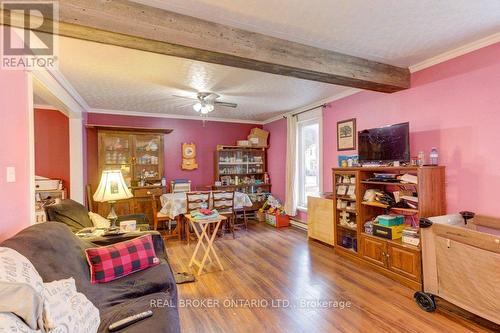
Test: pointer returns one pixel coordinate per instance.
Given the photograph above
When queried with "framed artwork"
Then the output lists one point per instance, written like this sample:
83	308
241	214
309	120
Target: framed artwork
346	134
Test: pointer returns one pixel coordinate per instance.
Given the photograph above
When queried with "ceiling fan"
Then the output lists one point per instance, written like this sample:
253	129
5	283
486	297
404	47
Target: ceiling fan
206	102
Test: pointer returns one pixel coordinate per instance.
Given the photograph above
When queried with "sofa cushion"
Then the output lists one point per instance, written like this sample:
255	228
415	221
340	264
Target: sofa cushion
152	280
71	213
99	221
165	317
67	310
10	323
19	280
108	263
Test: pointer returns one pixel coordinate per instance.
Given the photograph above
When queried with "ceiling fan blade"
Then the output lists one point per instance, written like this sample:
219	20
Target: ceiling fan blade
186	97
227	104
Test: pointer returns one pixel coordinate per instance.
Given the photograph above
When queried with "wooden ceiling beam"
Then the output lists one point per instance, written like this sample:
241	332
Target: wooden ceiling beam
132	25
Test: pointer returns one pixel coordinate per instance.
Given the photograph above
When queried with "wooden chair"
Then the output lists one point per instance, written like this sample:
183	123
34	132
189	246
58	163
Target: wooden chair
223	201
160	217
194	201
90	200
243	211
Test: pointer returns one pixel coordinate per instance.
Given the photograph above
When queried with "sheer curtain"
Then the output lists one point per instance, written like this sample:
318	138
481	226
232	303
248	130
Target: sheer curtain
291	164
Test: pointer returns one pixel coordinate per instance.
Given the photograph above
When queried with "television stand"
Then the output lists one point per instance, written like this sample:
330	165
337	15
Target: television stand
391	257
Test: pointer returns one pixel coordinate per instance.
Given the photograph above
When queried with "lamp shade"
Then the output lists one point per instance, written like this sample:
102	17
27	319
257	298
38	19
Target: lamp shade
112	187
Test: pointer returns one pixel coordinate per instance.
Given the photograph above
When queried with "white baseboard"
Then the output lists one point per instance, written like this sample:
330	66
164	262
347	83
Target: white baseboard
298	224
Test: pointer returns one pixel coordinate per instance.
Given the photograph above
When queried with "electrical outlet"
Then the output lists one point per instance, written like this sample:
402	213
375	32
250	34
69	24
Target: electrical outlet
11	175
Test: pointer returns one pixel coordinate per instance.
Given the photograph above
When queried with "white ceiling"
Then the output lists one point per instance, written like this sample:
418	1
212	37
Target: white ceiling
114	78
398	32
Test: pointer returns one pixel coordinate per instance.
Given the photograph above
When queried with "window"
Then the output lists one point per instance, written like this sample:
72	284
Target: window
308	157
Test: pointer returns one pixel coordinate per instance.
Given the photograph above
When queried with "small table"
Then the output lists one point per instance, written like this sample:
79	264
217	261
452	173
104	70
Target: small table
202	237
175	204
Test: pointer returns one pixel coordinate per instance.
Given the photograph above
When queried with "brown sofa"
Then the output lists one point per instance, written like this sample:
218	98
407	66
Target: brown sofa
58	254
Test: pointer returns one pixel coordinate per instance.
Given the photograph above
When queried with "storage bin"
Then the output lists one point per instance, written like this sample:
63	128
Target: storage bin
277	220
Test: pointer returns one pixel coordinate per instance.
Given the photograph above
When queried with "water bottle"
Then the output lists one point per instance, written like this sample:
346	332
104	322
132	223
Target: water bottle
421	159
434	156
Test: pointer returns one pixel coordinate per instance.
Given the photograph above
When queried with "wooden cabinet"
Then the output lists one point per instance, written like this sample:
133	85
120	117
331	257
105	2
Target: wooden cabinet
320	219
398	260
137	155
404	261
401	259
243	170
373	250
140	156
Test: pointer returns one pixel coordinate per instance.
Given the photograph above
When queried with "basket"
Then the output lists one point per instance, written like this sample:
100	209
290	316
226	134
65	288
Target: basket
261	216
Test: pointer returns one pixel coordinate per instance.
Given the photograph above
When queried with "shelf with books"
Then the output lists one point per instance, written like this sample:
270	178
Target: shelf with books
346	192
428	197
387	183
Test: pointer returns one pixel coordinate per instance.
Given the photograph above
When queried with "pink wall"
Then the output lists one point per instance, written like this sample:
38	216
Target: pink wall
206	139
14	152
276	157
454	106
52	145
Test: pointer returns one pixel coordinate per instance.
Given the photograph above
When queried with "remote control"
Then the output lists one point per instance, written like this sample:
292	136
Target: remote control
118	325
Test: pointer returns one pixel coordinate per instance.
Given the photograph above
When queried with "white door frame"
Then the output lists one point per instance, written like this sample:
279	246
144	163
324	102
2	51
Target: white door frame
65	99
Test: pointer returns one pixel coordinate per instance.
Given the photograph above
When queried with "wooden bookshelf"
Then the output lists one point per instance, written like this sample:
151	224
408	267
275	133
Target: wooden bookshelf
246	164
393	258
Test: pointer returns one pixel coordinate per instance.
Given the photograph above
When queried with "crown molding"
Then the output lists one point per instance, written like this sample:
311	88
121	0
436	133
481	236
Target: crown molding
63	91
464	49
45	107
171	116
61	79
340	95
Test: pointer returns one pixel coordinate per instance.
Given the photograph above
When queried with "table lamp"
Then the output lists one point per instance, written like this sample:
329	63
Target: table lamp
111	189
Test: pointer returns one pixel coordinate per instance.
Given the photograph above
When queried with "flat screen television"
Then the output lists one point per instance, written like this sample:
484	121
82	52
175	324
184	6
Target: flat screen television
384	144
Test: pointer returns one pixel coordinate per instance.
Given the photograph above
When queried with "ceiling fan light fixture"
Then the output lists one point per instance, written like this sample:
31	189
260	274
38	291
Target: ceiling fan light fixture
198	107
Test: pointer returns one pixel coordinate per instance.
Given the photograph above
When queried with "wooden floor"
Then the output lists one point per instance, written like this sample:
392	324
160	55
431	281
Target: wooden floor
264	264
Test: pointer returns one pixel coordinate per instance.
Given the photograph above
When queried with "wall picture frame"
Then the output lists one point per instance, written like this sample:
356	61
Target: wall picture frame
346	134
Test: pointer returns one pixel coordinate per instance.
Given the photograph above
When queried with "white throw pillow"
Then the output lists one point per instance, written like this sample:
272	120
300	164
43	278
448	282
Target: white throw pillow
67	310
20	280
10	323
99	221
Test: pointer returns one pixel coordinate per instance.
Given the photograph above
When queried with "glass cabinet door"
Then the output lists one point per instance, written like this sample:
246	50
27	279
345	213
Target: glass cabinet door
116	154
148	157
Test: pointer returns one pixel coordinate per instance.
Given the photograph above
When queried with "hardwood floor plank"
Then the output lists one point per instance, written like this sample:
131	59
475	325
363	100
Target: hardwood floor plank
265	264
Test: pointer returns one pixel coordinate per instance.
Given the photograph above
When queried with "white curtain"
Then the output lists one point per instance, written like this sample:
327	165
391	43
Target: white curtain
291	165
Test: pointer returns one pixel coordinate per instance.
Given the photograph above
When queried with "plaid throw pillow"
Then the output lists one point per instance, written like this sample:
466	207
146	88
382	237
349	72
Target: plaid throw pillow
108	263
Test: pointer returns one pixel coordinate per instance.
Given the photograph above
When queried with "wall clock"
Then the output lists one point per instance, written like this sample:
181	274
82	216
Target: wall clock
189	156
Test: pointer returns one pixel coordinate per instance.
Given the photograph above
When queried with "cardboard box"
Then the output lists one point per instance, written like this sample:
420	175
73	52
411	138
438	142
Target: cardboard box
390	220
260	142
260	132
253	141
394	232
243	143
258	137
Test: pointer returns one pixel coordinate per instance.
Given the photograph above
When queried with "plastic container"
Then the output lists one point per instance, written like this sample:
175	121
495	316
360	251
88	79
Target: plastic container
277	220
421	158
434	157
